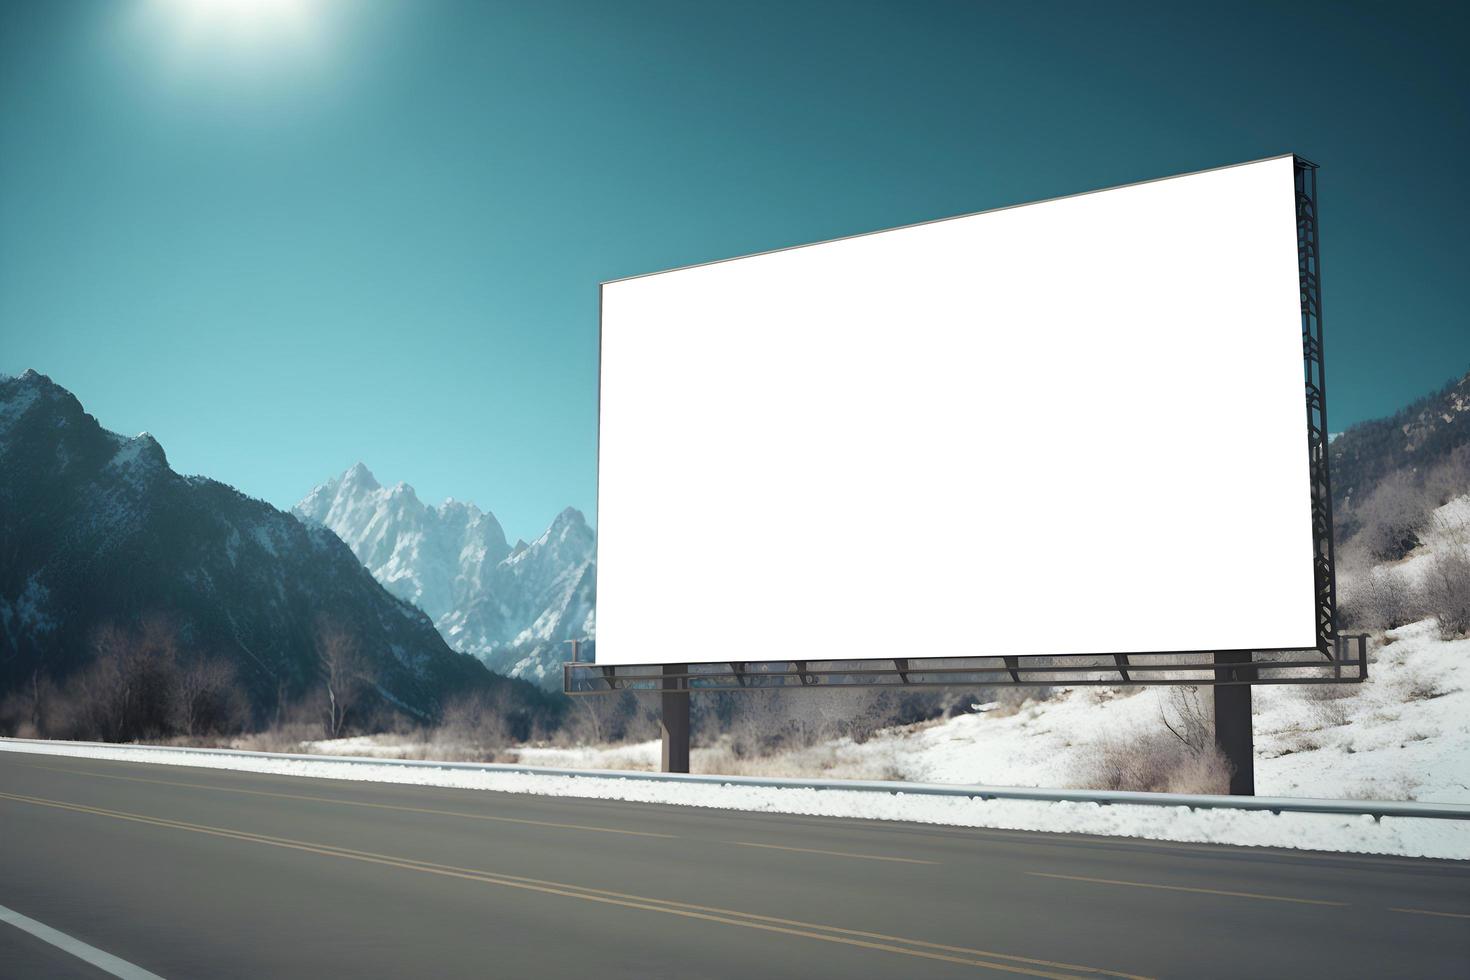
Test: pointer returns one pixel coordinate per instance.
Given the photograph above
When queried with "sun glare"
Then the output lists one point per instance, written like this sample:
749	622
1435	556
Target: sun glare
240	21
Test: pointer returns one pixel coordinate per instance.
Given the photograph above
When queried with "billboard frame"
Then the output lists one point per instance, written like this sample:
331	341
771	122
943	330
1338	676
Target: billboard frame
1221	668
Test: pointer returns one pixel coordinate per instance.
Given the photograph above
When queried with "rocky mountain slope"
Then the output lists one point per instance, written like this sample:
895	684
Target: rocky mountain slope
96	529
513	607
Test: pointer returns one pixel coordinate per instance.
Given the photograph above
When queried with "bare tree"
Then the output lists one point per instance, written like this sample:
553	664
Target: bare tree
343	674
593	707
127	692
30	710
38	694
1193	718
207	698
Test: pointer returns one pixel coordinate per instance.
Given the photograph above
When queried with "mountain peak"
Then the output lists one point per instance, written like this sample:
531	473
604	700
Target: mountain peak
141	449
569	525
32	392
509	606
360	476
29	384
34	381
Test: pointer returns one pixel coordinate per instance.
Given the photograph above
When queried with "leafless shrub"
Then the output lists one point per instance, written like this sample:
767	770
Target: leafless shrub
1190	718
475	723
769	721
825	760
1299	742
1331	705
1446	586
1331	714
1201	773
1180	757
127	692
1104	695
1152	762
1010	700
296	726
1402	787
140	685
1449	478
207	698
1418	687
1328	692
1393	516
1386	600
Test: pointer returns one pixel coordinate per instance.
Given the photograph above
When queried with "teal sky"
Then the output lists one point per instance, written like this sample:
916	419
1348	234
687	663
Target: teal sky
361	229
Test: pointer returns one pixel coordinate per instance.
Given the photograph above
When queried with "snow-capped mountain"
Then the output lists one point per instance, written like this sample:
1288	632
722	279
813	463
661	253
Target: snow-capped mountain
98	530
513	607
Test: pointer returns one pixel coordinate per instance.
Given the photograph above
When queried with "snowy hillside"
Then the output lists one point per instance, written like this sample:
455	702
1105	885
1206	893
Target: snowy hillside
512	607
1402	735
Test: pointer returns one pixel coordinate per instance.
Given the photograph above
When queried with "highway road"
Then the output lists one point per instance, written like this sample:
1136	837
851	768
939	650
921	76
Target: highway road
185	872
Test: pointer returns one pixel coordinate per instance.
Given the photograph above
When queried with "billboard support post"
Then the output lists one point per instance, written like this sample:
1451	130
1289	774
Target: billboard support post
1233	734
674	719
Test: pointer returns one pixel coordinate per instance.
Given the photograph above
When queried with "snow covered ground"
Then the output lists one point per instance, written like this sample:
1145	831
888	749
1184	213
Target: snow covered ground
1398	836
1402	735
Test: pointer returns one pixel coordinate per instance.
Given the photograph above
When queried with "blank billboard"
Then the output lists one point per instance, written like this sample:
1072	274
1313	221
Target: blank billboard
1075	426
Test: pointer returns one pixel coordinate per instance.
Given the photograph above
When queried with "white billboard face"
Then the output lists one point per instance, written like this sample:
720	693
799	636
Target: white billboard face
1076	426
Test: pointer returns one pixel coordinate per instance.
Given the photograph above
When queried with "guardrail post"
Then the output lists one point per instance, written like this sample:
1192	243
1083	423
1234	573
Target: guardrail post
674	720
1233	733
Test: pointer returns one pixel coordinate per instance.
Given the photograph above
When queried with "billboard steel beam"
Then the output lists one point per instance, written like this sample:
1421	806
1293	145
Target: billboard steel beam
1347	663
1309	273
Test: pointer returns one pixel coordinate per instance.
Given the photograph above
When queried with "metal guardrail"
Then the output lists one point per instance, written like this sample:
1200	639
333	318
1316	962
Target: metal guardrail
1377	809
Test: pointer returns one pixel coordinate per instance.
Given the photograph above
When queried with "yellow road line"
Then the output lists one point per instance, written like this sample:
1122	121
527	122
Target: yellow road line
375	806
457	813
845	854
1037	838
1182	888
919	948
1447	915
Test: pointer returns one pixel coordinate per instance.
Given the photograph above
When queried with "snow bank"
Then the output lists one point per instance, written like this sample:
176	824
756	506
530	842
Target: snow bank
1398	836
1402	735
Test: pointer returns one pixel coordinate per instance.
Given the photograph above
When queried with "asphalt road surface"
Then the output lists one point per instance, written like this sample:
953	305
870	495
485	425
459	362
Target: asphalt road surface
206	873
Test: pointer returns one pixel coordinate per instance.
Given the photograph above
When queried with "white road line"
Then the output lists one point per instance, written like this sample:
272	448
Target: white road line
105	962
